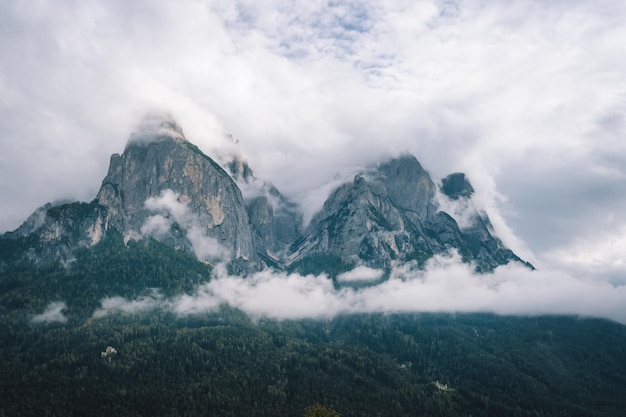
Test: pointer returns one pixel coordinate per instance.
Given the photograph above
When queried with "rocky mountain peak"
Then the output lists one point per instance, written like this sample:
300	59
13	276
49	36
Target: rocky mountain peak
169	190
408	185
157	126
390	214
274	218
457	186
233	161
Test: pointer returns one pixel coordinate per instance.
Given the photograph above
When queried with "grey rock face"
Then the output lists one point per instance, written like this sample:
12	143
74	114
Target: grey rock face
274	229
482	246
456	186
162	180
408	185
361	223
274	219
161	186
487	250
54	232
391	216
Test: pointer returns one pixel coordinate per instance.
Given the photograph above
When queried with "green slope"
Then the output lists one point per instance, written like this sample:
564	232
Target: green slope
225	364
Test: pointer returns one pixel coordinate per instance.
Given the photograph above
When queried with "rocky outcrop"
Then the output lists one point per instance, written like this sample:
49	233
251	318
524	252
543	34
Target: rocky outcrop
161	186
390	215
274	219
164	186
456	186
54	232
378	221
481	245
361	223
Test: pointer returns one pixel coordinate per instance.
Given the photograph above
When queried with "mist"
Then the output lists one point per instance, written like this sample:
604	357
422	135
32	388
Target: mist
171	210
120	305
52	314
446	285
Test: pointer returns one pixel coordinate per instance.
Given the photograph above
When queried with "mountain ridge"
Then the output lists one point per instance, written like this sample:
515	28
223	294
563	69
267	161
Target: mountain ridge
164	187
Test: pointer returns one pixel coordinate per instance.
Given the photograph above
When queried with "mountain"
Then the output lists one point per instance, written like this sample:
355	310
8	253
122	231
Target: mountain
112	307
161	186
275	220
390	215
480	242
164	188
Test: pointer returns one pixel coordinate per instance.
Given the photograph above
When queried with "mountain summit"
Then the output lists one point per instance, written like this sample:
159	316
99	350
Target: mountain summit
163	187
157	126
390	215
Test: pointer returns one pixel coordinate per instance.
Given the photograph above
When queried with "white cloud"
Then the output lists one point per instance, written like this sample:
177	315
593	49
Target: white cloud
156	125
604	256
461	210
52	314
173	210
205	247
168	201
265	294
360	274
446	285
203	301
156	226
120	305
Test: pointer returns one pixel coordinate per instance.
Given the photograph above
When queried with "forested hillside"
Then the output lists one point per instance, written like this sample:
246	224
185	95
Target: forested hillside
224	364
228	364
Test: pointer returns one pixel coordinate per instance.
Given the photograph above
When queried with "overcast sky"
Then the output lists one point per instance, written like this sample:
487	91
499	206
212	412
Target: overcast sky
527	97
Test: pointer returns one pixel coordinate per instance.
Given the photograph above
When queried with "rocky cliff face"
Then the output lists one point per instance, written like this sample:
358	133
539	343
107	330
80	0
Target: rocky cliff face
163	187
275	220
390	215
53	232
457	186
479	240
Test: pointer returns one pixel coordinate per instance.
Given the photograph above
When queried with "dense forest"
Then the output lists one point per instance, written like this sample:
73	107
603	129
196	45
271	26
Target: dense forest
224	363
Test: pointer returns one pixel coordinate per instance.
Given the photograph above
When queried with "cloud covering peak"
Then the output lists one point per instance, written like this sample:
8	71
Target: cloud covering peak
155	125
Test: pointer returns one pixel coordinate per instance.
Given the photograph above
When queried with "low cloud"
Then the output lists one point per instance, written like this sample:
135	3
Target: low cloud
446	285
253	187
168	201
266	294
278	295
120	305
52	314
156	226
361	274
173	211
